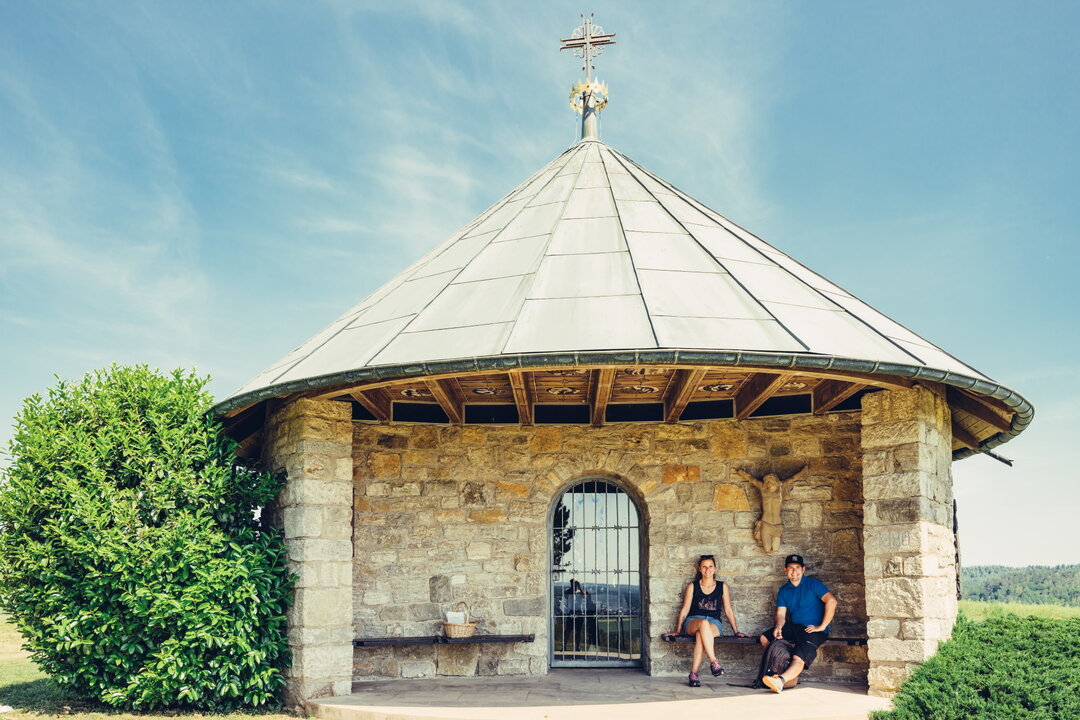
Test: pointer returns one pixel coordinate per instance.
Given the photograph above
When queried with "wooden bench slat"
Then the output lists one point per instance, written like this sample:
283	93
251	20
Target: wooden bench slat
406	640
734	640
488	639
440	640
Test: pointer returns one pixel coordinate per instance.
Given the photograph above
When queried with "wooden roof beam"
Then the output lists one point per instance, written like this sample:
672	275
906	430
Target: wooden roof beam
523	396
680	390
603	385
830	393
962	401
376	402
758	388
963	437
448	398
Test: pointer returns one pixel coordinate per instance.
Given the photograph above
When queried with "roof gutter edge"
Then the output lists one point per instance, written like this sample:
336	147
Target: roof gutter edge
1025	411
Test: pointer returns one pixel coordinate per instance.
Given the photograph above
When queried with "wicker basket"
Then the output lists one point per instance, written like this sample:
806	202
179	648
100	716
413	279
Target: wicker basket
460	630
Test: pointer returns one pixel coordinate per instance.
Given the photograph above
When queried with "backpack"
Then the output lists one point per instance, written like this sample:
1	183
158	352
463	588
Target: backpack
775	660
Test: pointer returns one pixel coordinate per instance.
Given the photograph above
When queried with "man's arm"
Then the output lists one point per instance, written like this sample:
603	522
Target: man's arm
781	616
830	609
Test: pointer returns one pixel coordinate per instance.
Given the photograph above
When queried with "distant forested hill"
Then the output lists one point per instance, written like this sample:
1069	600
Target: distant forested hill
1036	584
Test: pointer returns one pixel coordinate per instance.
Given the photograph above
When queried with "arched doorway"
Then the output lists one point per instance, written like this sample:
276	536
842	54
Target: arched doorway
596	577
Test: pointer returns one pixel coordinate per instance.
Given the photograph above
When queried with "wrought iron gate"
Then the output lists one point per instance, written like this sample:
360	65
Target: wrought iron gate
596	618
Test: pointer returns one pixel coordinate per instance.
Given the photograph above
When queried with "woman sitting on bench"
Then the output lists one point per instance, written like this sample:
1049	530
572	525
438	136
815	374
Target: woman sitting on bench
701	615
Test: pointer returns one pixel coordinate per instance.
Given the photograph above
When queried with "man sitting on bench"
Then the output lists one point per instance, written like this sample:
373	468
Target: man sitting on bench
804	610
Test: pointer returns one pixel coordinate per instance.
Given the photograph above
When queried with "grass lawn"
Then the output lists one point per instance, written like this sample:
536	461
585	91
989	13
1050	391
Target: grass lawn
33	695
974	610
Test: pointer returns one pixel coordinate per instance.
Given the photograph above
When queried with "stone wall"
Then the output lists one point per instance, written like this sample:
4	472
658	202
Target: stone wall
312	443
460	513
910	549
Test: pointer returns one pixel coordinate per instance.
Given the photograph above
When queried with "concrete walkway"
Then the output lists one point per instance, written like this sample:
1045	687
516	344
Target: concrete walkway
592	694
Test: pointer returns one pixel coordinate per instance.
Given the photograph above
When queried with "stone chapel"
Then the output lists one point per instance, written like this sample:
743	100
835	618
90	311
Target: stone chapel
553	413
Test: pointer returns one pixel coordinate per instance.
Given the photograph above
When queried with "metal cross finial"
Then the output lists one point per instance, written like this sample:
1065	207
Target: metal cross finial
586	42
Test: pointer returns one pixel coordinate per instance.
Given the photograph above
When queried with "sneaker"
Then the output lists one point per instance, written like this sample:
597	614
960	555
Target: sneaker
774	683
715	668
694	682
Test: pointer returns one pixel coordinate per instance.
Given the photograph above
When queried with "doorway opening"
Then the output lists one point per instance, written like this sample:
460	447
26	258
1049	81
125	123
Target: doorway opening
596	578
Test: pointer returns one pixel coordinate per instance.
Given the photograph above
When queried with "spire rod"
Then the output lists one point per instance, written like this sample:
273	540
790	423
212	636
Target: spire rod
589	97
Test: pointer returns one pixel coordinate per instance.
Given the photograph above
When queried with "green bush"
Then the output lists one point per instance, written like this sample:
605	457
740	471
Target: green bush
131	558
1006	667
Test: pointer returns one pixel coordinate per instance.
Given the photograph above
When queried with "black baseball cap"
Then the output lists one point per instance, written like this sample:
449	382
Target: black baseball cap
797	559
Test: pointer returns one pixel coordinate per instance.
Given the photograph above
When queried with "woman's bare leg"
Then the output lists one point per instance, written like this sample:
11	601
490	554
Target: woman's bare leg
693	628
707	635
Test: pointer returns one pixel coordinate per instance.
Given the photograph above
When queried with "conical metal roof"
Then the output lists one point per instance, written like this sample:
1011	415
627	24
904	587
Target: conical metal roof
595	255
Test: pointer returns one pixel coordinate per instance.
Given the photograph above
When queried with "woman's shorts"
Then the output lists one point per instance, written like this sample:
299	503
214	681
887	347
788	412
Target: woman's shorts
714	621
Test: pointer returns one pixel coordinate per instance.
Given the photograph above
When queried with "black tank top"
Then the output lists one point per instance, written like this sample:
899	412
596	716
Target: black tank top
709	604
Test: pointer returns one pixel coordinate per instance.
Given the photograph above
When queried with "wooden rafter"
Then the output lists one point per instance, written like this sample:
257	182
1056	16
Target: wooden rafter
882	381
523	396
376	402
963	437
963	401
830	393
602	385
758	388
680	390
236	411
445	392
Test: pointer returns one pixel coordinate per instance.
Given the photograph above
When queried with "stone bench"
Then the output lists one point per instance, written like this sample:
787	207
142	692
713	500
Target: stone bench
440	640
752	640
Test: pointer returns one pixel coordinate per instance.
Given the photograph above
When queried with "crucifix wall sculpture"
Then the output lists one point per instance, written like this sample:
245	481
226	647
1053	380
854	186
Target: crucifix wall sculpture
769	529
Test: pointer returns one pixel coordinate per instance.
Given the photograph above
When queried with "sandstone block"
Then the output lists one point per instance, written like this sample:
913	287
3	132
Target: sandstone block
889	434
883	628
478	550
439	589
890	540
513	666
546	439
531	607
302	522
512	490
417	668
304	636
384	465
319	549
405	489
894	598
681	473
322	607
810	515
487	517
323	663
730	497
886	678
458	660
896	650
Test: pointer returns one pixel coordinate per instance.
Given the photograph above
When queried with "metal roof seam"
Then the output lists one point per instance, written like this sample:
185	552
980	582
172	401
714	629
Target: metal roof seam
579	147
694	202
622	230
505	200
716	260
724	222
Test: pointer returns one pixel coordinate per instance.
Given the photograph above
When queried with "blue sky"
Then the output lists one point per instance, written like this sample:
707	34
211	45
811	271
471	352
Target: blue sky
208	184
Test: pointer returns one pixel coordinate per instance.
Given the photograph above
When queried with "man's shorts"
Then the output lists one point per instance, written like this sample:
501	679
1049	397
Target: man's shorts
806	644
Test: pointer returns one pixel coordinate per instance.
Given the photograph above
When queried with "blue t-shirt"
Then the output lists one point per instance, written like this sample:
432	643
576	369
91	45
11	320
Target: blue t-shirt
804	604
